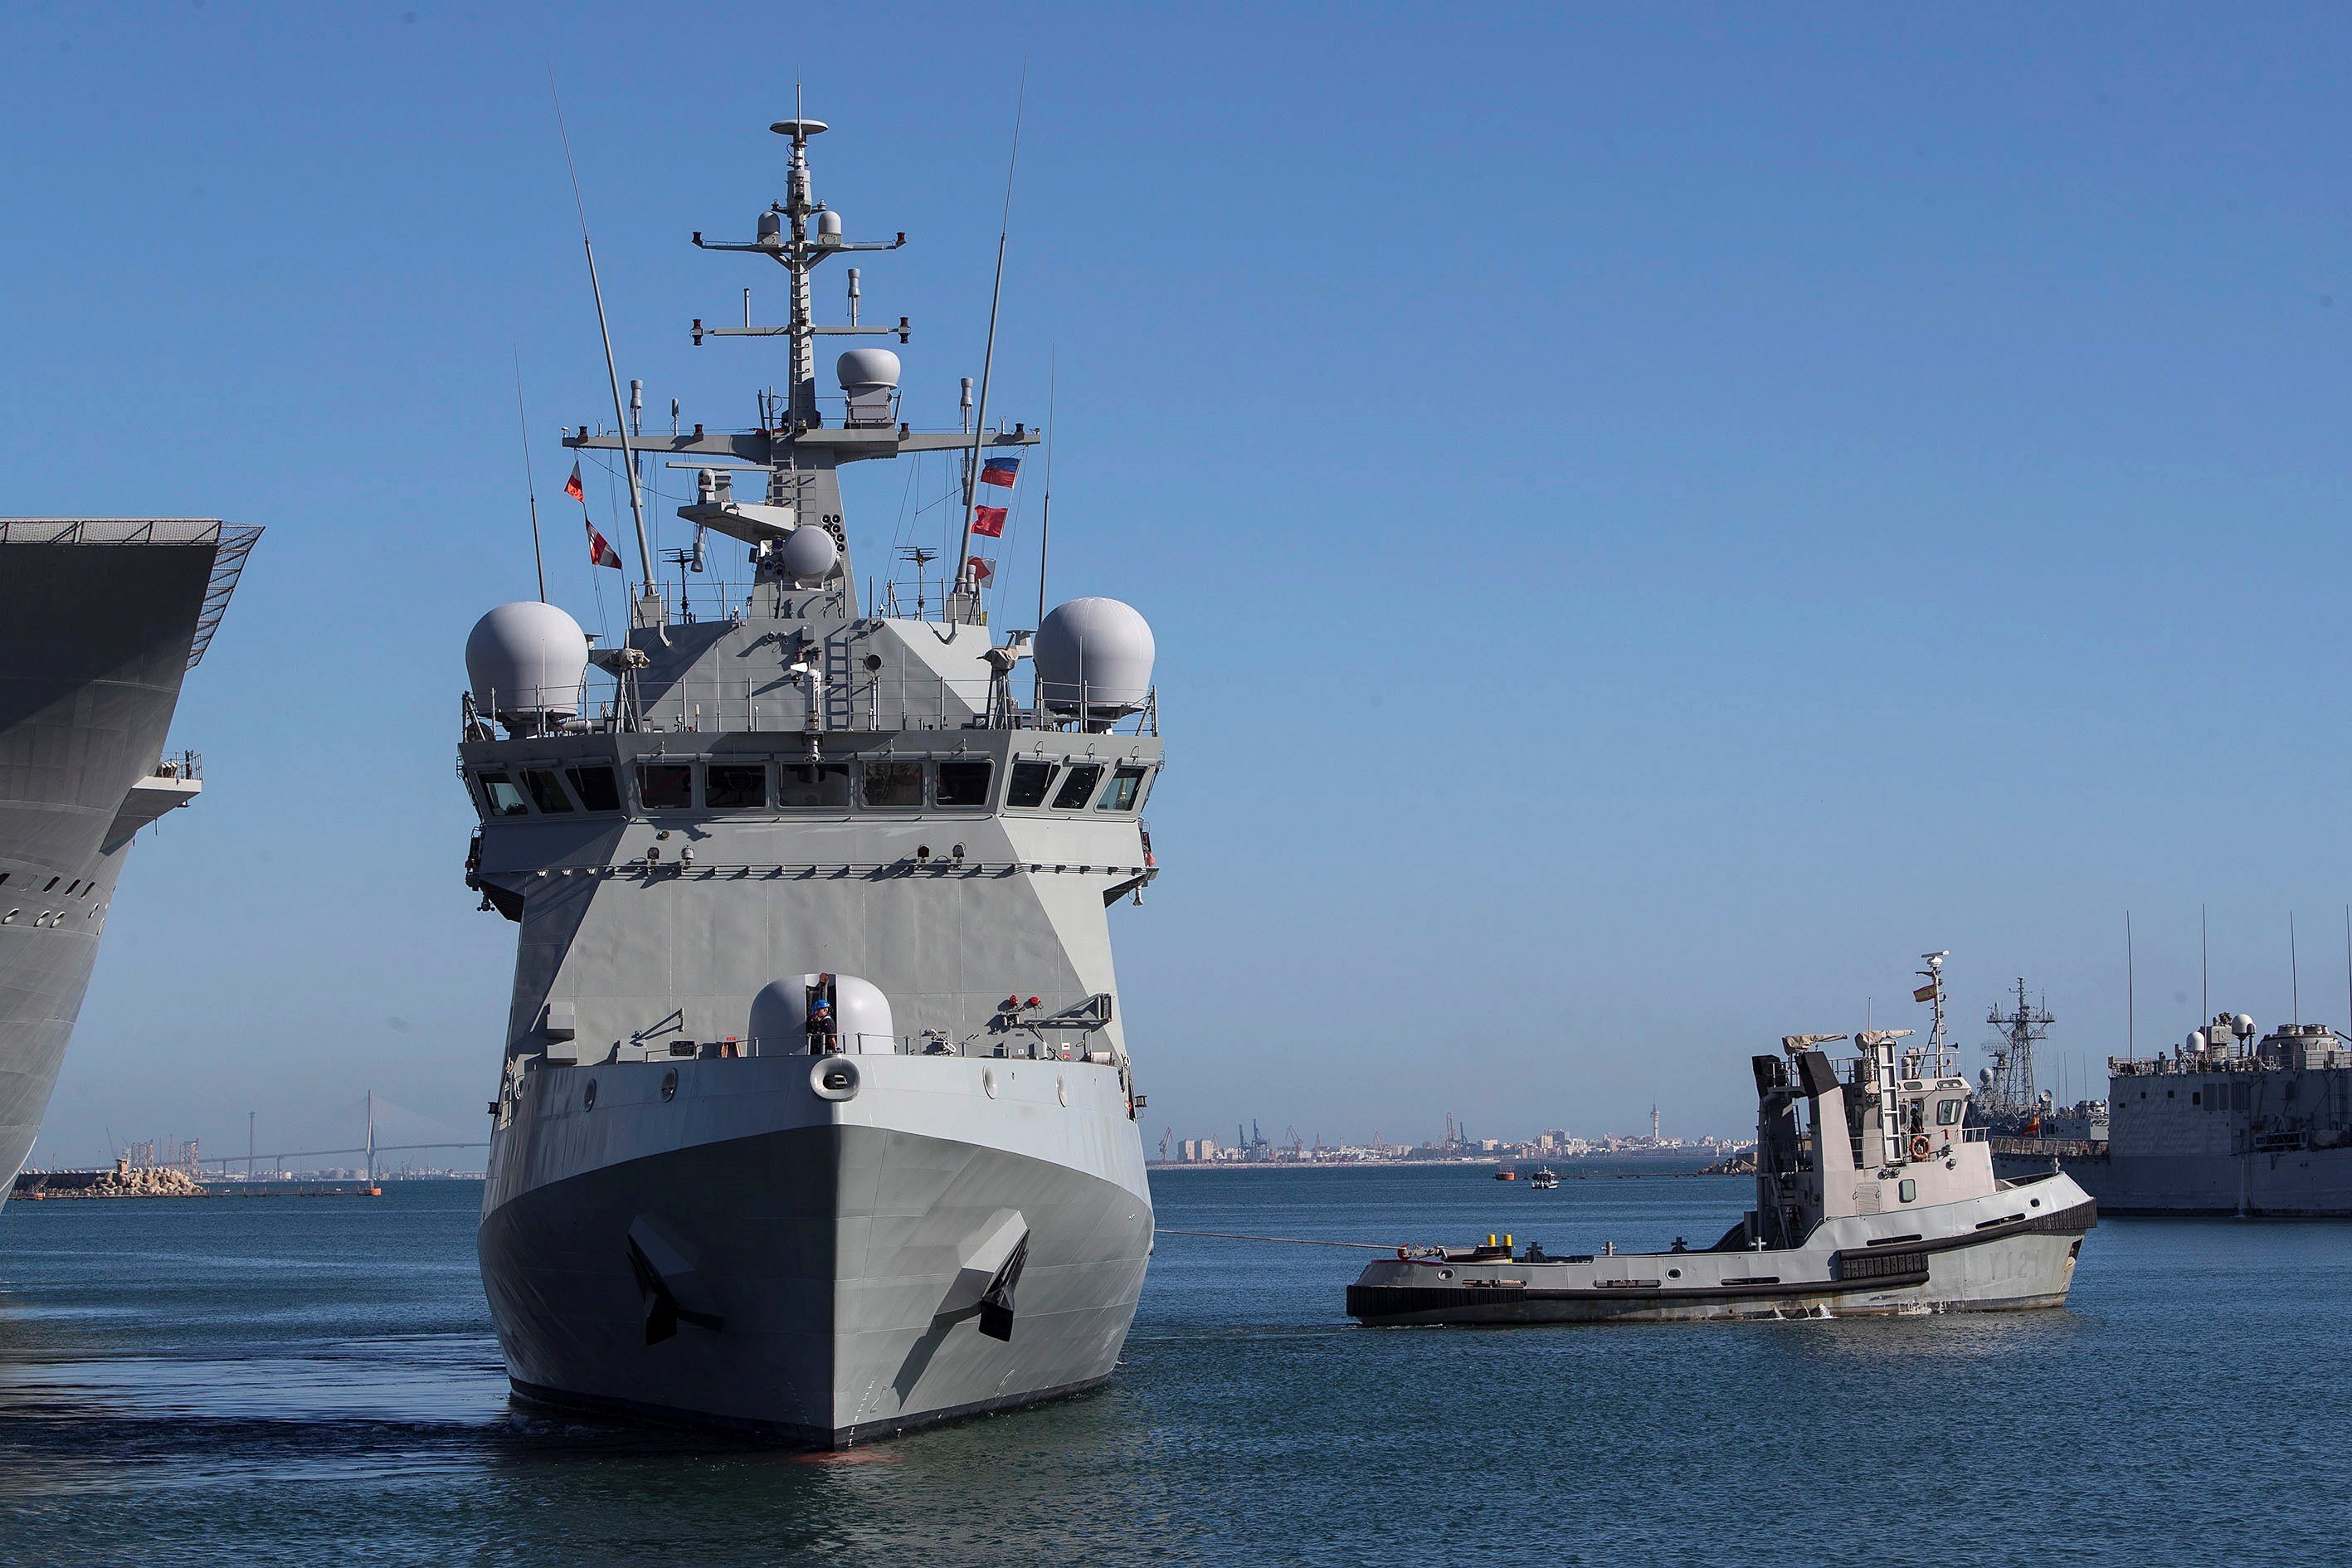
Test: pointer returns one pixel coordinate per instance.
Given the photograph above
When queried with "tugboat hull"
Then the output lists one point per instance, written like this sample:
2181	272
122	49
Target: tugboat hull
2012	1251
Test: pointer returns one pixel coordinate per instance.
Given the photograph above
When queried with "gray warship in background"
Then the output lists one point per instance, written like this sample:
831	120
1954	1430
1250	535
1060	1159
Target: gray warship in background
101	619
817	1117
2225	1124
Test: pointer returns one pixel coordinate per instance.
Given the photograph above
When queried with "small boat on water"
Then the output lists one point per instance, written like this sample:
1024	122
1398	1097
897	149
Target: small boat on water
1506	1174
1873	1196
1544	1180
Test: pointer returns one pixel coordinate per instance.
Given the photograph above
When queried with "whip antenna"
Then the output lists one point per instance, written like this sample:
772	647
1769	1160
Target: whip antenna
620	420
988	358
529	487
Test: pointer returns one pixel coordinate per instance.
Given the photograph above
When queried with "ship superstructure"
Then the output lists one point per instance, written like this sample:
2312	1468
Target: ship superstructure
100	620
816	1115
2224	1123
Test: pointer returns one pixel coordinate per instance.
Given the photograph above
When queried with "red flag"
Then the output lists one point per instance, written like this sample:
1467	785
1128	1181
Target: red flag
599	553
988	519
981	569
571	488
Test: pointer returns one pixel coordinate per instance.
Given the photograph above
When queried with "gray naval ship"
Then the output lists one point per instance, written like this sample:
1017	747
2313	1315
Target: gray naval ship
101	619
1875	1196
2223	1124
816	1117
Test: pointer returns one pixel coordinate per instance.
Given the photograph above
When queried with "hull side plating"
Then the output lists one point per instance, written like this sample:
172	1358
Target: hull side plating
802	1282
97	639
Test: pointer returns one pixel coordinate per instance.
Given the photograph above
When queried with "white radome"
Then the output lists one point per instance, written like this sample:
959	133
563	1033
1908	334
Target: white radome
868	370
1097	651
780	1015
526	659
809	554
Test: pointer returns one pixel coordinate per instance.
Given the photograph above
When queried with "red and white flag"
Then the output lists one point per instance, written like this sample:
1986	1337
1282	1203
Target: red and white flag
981	569
988	519
572	487
600	553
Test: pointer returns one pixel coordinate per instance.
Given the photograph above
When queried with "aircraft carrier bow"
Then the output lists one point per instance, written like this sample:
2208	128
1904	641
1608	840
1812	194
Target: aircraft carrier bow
101	619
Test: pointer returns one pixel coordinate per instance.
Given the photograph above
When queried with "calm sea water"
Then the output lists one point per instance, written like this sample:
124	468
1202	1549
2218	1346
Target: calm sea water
314	1381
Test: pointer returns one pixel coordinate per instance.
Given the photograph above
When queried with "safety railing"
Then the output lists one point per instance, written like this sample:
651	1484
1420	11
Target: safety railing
990	1045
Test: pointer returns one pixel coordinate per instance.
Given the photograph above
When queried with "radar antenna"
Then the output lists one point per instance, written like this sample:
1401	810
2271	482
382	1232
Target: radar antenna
1939	1048
2012	1091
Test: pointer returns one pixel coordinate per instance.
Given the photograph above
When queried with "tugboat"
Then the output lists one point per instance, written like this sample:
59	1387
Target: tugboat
1873	1196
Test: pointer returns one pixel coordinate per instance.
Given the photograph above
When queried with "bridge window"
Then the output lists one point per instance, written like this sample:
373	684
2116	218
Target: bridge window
735	786
1030	782
1948	1112
812	784
500	794
892	786
665	786
1126	784
1078	787
965	784
545	793
596	787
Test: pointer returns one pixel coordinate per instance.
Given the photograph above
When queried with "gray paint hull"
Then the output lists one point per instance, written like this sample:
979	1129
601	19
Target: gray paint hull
815	1261
2010	1250
94	642
2309	1183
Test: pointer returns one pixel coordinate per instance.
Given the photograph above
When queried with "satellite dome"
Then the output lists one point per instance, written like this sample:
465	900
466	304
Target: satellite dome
861	1016
524	662
2243	1025
868	370
828	225
2196	1041
808	554
1095	653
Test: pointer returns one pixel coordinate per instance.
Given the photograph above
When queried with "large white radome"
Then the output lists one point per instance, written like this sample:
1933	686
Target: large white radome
525	659
808	554
1097	651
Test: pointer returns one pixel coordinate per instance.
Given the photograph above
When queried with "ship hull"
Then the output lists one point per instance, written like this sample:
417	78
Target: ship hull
2014	1250
2302	1184
96	626
747	1254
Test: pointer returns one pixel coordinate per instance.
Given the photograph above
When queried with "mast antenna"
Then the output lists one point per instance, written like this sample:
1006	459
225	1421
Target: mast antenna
1046	527
2131	980
620	420
988	358
528	486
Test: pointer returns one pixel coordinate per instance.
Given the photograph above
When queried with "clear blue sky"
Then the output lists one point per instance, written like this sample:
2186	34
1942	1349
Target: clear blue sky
1652	518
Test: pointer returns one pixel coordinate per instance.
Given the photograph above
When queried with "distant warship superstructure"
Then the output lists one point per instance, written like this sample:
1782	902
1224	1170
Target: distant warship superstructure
2223	1124
816	1116
101	619
1873	1196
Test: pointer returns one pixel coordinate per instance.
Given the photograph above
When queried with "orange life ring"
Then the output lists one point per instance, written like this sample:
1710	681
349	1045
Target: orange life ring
1920	1147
